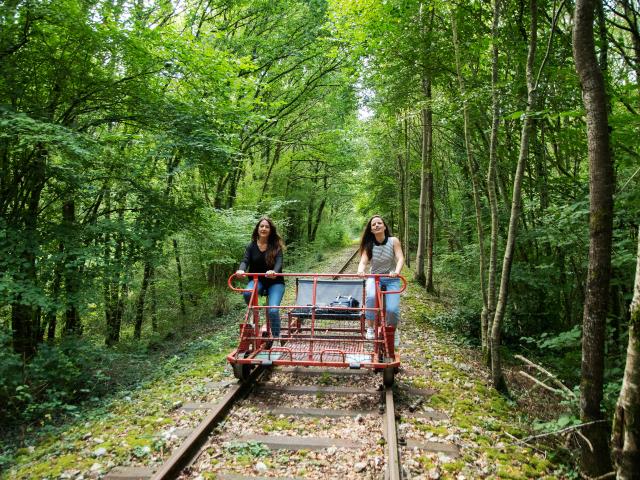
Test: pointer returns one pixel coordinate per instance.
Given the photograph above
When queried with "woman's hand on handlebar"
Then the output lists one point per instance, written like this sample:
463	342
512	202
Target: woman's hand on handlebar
240	272
270	274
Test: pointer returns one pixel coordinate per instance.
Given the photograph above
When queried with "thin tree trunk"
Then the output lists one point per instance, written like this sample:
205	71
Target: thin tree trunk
626	420
314	231
422	212
406	194
51	318
402	180
183	309
220	186
497	376
73	324
233	186
430	232
24	316
601	187
274	161
154	302
491	187
137	332
472	172
310	208
111	337
113	283
323	202
430	203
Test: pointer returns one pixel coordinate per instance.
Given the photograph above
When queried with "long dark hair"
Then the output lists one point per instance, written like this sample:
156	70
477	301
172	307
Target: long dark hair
367	239
275	244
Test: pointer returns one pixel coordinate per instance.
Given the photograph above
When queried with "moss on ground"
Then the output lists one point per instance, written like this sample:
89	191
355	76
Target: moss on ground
127	426
484	423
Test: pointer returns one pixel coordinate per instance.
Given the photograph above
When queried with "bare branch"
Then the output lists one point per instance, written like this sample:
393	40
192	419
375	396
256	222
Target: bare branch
549	374
542	384
562	430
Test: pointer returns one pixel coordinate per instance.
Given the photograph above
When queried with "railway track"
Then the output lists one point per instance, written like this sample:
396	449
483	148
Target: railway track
342	423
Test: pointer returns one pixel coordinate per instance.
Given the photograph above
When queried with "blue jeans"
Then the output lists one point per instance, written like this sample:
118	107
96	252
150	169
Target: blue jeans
391	301
275	291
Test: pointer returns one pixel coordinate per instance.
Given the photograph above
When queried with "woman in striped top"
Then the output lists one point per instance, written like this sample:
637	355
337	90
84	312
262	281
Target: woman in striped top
384	253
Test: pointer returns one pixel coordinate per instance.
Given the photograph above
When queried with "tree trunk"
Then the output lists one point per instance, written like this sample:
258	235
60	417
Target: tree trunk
430	229
626	420
475	188
23	319
314	231
24	315
310	209
111	336
220	187
491	187
402	180
113	285
233	186
72	324
137	332
320	210
407	184
274	161
601	186
183	309
497	376
154	302
430	204
51	317
423	224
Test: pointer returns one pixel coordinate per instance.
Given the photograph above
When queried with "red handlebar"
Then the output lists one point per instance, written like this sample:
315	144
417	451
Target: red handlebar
315	275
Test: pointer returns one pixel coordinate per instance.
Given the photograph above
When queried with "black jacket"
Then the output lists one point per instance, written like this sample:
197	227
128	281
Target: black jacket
254	261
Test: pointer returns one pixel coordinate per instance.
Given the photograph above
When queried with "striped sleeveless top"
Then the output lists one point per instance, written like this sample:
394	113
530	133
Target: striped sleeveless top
383	258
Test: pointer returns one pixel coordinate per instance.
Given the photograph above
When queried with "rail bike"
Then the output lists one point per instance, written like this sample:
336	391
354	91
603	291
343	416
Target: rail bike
325	327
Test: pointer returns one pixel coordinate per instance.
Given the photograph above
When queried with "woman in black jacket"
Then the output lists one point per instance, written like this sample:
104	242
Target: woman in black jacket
264	255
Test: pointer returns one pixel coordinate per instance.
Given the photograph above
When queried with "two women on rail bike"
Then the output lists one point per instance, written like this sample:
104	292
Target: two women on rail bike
377	247
384	253
264	255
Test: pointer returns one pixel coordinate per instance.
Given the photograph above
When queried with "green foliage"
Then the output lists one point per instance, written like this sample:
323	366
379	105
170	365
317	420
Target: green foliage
252	449
463	321
561	422
332	235
53	382
12	390
569	339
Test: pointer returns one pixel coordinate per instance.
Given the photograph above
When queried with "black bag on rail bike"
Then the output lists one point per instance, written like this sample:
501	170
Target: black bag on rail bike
329	312
341	301
344	301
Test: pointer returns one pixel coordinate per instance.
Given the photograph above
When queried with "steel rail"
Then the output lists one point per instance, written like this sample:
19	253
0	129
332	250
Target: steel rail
394	470
344	267
188	451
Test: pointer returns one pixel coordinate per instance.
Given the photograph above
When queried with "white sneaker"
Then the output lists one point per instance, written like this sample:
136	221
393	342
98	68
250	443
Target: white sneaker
396	338
370	335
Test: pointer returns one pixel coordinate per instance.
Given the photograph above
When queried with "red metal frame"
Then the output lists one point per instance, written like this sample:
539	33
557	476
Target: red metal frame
337	342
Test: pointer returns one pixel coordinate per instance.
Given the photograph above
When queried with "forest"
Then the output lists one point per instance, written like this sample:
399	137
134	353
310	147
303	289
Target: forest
140	141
